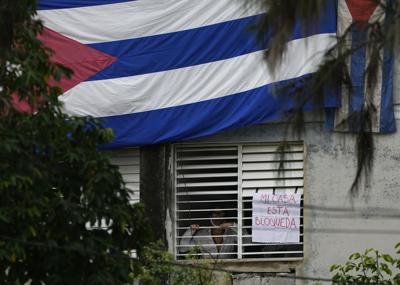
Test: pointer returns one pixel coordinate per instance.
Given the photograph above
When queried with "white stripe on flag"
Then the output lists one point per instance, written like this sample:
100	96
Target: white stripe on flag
192	84
141	18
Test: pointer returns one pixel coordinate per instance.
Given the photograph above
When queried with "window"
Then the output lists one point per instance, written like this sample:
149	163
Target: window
215	183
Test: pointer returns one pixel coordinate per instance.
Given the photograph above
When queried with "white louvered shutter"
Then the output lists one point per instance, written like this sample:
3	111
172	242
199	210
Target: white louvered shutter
224	177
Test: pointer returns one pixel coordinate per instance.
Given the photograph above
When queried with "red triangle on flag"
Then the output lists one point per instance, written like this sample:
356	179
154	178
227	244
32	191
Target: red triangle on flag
84	61
362	10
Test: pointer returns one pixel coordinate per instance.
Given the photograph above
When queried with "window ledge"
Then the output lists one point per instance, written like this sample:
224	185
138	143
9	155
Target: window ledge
264	265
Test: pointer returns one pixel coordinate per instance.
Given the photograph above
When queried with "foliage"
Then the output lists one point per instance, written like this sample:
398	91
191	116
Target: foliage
280	17
54	183
160	265
370	267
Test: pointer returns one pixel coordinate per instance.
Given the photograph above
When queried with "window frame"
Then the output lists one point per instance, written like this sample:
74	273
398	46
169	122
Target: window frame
240	208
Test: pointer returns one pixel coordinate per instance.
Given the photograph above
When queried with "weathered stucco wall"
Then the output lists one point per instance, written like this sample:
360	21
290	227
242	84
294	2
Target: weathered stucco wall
330	237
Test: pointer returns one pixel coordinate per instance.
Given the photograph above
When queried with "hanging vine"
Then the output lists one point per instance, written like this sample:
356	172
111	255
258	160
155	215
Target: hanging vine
279	22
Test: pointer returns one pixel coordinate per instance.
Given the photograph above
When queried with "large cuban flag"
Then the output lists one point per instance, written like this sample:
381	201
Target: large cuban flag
169	70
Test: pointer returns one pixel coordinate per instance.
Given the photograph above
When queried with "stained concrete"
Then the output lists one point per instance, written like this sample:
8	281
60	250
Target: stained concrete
256	279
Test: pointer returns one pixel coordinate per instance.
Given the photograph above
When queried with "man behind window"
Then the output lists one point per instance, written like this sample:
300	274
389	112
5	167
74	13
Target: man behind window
218	242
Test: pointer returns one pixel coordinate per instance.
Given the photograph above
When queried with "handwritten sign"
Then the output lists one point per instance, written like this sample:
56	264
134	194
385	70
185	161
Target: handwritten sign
276	218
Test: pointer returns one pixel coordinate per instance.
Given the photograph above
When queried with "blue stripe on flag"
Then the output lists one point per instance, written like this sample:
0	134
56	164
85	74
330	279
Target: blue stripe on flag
179	49
187	48
358	59
63	4
202	118
387	119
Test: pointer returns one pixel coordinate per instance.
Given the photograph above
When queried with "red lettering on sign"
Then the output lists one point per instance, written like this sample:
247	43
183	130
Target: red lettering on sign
285	223
285	211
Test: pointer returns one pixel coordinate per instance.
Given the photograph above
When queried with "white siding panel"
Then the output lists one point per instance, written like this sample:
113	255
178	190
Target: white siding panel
135	186
128	162
130	152
131	177
129	169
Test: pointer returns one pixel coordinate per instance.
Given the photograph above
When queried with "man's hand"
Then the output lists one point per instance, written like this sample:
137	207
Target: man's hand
195	227
226	225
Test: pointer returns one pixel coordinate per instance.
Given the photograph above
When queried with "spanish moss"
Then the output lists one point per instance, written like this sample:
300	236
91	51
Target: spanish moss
281	18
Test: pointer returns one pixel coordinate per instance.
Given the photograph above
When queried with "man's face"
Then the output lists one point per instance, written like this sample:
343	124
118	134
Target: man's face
216	218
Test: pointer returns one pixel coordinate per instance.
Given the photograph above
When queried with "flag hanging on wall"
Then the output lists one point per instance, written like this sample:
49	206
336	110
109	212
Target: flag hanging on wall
157	71
354	22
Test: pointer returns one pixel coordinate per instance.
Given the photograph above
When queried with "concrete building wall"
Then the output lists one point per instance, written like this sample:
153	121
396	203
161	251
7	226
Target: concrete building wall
330	237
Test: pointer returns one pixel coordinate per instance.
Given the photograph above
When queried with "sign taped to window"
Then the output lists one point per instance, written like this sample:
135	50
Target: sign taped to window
276	218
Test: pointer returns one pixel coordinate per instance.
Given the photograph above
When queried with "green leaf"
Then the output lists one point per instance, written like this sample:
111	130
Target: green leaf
32	231
388	258
334	267
355	256
387	270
